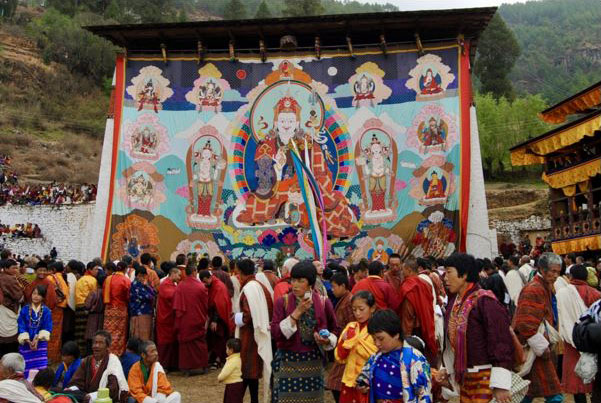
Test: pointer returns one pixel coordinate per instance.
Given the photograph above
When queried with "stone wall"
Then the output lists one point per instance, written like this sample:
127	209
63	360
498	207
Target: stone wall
69	228
514	229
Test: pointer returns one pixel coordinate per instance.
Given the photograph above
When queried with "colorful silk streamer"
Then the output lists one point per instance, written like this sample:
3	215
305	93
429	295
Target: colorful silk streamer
307	181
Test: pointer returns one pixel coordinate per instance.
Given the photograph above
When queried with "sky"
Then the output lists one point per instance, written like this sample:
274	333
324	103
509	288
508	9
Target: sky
408	5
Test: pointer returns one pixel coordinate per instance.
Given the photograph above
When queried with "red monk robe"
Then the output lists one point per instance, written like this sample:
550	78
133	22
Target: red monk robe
116	299
165	321
220	312
386	297
191	304
417	313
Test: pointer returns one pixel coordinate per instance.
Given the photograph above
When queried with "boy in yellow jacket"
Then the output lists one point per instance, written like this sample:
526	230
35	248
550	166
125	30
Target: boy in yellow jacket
231	373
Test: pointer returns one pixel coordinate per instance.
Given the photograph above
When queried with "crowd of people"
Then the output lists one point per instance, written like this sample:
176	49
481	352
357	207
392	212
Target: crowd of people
14	193
28	230
405	330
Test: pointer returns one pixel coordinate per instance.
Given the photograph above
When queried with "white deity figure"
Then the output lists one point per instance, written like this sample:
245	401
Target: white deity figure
208	166
376	168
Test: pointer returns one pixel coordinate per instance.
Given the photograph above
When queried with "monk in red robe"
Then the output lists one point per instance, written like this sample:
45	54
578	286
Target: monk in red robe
165	321
221	323
41	272
191	304
393	276
386	297
116	299
417	309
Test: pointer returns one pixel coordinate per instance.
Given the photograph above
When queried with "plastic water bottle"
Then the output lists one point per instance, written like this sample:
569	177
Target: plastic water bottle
103	396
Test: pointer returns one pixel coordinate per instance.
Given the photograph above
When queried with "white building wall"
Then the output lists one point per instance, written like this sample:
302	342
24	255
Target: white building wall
68	228
481	241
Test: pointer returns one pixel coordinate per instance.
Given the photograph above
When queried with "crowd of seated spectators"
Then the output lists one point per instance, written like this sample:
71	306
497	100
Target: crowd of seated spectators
14	193
28	230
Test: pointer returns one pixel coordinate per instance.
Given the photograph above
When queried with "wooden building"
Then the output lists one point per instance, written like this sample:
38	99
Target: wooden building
571	158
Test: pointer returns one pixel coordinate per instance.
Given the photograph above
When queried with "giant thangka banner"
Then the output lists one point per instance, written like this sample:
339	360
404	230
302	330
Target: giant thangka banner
337	157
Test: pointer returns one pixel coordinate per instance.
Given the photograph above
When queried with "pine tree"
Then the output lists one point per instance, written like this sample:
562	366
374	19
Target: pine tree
113	11
301	8
234	10
263	11
498	50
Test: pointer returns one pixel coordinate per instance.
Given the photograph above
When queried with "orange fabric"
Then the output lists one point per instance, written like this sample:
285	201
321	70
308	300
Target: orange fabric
59	281
153	278
116	289
139	389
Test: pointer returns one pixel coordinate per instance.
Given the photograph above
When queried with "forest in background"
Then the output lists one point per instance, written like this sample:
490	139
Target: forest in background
532	55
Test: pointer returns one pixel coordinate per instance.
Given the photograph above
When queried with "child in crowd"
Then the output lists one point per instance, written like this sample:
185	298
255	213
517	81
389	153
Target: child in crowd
131	355
231	373
71	361
35	326
355	346
399	372
43	382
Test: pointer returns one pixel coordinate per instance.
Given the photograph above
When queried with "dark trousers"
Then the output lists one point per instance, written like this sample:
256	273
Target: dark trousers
6	348
253	385
234	393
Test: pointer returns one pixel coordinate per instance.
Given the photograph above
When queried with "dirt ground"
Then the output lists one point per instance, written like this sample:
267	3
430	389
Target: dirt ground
206	389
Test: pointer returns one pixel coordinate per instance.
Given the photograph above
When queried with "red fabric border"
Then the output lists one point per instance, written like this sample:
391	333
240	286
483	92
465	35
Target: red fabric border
117	113
465	103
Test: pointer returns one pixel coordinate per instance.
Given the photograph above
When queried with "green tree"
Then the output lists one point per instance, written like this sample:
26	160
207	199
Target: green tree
498	50
67	7
503	124
263	11
234	10
301	8
62	40
8	8
113	11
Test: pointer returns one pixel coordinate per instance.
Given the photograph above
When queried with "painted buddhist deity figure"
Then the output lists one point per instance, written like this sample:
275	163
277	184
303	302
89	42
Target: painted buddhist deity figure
278	188
145	141
210	95
436	187
140	189
429	83
148	96
364	89
433	134
380	253
376	166
207	167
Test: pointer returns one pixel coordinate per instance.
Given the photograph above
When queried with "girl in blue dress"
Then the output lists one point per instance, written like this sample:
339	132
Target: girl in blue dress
35	326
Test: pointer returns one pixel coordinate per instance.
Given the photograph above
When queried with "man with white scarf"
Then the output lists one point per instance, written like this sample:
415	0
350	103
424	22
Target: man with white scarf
100	370
253	328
